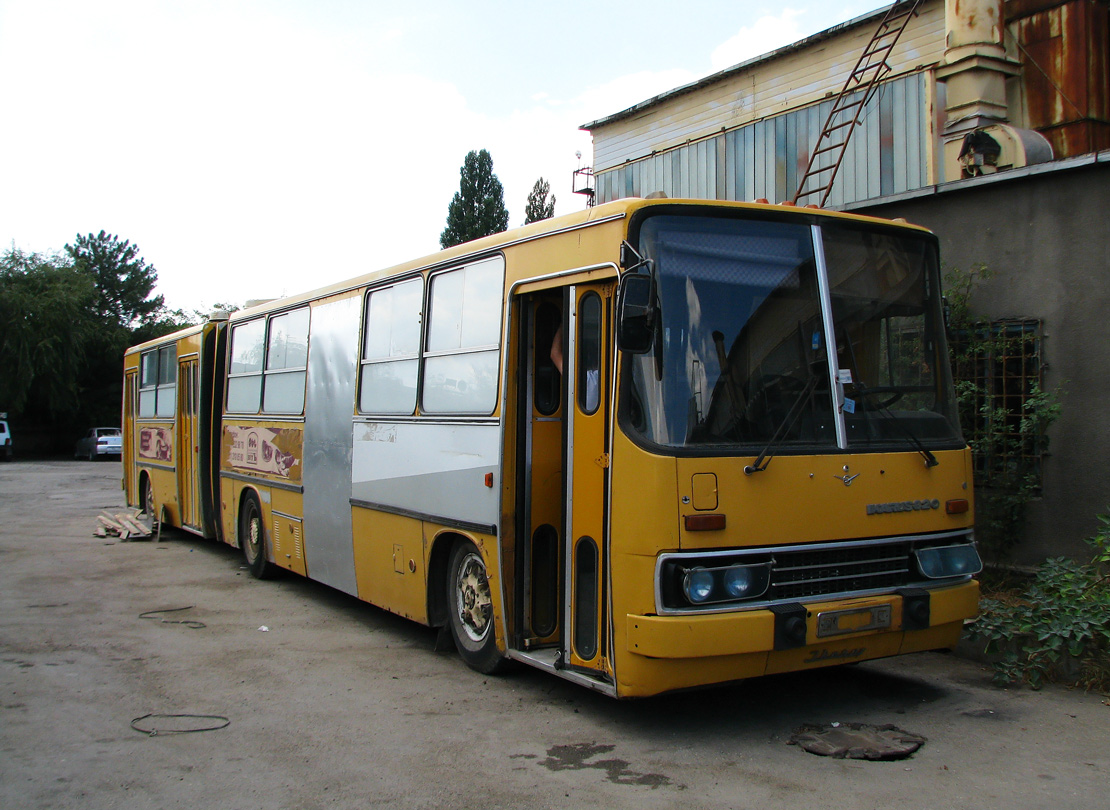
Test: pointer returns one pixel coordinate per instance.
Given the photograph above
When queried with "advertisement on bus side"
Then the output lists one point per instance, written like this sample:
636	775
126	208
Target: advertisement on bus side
272	451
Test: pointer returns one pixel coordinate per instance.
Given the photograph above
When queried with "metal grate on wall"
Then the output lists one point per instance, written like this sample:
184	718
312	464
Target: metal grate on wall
767	158
999	368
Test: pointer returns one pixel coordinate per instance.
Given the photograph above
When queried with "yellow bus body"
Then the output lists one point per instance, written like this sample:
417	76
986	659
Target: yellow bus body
573	520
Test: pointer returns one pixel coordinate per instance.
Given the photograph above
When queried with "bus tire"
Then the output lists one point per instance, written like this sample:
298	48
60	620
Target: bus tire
146	495
252	539
470	610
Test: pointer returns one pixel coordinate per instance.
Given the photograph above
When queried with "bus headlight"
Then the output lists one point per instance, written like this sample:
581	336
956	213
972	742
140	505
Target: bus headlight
698	585
739	580
726	583
944	562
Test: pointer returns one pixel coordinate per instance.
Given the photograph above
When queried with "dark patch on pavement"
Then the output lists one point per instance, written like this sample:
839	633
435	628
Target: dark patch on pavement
578	756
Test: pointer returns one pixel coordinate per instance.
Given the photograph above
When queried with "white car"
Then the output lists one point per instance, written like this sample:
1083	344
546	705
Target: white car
5	440
99	442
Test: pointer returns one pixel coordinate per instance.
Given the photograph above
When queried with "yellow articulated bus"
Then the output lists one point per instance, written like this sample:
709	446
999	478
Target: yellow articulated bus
654	445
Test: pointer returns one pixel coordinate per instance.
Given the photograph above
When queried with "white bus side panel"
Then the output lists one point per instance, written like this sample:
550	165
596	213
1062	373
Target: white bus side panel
433	470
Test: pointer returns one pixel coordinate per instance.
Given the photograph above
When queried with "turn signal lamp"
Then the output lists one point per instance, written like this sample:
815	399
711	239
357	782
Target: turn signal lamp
704	523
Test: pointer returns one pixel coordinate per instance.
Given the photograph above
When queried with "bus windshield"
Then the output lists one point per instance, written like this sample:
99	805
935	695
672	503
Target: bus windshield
747	311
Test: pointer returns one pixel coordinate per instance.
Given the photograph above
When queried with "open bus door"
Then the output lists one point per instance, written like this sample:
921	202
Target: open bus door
188	445
130	408
562	552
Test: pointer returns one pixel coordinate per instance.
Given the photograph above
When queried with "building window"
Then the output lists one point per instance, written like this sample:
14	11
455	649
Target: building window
158	382
391	348
998	369
269	361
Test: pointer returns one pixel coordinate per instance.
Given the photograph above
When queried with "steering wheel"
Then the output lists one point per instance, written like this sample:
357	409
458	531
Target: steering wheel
896	391
765	388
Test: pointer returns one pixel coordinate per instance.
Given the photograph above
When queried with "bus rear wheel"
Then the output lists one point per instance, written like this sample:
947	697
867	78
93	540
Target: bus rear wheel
146	495
470	610
252	539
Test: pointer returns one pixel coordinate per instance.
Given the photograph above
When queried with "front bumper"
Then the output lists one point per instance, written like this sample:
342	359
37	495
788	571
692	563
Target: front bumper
675	652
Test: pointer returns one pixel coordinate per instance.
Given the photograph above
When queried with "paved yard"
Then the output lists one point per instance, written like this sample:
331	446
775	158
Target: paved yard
332	703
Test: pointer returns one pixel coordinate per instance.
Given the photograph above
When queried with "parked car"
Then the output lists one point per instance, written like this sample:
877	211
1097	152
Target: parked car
99	442
5	440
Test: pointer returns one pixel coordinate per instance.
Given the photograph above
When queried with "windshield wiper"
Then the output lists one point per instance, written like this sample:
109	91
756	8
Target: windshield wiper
764	458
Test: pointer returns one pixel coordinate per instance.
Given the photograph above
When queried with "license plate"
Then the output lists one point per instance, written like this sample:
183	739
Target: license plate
852	620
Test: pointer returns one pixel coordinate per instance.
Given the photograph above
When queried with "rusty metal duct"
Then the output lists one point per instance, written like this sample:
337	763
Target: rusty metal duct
1064	94
977	136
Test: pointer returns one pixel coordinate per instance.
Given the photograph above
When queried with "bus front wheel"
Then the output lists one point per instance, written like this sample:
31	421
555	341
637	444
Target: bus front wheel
252	539
470	610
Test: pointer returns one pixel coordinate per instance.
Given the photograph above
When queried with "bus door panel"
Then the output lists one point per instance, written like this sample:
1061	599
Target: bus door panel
539	556
130	482
188	470
586	371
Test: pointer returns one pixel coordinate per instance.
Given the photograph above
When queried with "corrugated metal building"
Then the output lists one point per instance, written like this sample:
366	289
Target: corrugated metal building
747	132
1032	74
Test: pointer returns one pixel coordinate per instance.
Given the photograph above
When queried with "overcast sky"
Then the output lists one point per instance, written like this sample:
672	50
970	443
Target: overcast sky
259	148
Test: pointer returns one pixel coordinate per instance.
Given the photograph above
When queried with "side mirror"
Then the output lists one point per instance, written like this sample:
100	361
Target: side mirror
636	313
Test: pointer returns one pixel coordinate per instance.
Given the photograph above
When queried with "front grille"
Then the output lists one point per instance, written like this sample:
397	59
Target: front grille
806	573
800	573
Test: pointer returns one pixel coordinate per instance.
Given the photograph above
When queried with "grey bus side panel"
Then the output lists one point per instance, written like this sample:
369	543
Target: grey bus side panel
329	404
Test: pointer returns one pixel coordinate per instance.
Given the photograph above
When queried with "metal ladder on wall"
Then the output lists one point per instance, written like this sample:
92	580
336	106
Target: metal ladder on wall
871	67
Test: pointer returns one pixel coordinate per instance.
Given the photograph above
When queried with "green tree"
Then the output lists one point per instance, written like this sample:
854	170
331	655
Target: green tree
478	207
124	281
125	312
45	325
65	321
162	322
539	206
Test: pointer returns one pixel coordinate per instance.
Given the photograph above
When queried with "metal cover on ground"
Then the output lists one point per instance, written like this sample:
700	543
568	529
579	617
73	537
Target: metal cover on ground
857	741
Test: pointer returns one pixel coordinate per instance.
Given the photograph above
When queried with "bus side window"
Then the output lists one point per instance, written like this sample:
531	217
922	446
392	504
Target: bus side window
391	349
548	382
244	384
589	353
463	340
286	363
158	382
148	383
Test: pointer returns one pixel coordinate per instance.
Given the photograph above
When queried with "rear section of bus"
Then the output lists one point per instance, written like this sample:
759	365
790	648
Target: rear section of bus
170	425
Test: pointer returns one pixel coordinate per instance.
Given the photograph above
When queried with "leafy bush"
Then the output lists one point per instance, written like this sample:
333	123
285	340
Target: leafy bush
1059	627
1002	497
